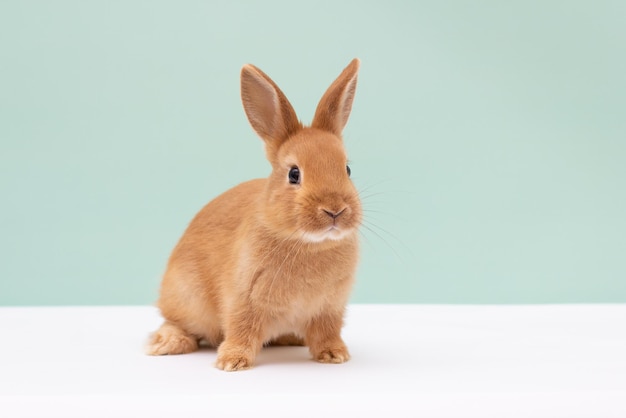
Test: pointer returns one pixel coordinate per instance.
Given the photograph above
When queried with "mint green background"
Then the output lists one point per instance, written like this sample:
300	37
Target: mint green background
489	139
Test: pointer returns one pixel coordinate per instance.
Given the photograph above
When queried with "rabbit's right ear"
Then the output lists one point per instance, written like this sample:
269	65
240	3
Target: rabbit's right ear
334	108
268	110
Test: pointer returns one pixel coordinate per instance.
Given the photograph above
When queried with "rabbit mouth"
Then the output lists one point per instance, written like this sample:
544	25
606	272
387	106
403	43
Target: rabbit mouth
332	233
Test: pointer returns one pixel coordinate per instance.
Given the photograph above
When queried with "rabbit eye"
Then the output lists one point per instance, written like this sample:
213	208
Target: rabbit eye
294	175
348	170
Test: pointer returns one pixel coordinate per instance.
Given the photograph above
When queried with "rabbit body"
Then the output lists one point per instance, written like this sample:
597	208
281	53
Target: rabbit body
271	260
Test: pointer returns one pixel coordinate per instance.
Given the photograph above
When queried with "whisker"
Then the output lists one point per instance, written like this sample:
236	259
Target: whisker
366	238
271	253
385	241
276	273
369	196
378	183
382	212
390	234
300	245
292	252
387	192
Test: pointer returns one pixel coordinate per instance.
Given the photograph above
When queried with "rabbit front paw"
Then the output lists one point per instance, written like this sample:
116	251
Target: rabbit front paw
231	358
333	355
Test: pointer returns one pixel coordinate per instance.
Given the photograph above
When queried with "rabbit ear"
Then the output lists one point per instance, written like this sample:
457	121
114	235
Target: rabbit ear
268	110
333	110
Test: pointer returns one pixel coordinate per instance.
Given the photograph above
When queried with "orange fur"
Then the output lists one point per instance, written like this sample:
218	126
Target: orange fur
269	261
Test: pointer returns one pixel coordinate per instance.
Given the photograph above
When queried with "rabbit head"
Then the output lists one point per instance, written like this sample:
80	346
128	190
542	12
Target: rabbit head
309	195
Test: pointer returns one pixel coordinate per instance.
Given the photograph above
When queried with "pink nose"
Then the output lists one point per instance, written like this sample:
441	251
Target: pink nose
334	215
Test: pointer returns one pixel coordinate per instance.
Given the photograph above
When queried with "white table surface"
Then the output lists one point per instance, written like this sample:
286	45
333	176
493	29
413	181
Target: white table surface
407	360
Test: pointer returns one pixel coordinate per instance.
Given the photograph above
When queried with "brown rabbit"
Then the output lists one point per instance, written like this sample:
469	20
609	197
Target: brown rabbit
271	260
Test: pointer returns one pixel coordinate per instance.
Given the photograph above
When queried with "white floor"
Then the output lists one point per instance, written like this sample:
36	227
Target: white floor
407	360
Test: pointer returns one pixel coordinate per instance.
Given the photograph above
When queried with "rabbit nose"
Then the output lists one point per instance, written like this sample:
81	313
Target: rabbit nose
334	215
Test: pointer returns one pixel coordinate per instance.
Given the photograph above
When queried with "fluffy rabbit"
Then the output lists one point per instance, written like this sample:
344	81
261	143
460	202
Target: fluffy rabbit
271	261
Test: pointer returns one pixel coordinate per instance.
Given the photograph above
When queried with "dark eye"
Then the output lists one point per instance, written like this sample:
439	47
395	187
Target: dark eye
348	170
294	175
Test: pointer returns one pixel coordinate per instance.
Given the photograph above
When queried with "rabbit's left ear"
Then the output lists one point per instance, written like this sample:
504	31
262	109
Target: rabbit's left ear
268	110
334	108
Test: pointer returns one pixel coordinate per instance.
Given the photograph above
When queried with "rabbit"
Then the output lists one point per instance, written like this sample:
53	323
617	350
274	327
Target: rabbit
273	260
